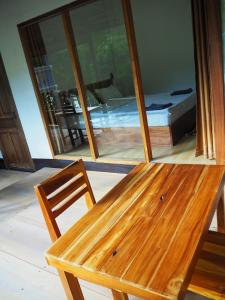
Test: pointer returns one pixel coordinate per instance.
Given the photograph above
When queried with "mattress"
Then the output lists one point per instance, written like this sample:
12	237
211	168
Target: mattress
122	112
167	116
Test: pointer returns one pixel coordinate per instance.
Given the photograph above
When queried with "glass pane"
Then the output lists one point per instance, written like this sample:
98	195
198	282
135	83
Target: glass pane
105	63
52	66
165	43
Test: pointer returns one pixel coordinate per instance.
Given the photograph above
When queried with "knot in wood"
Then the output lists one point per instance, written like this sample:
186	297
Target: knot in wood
114	253
162	197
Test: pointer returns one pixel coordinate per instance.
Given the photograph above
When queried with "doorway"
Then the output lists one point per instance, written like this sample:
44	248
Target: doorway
95	104
99	107
13	144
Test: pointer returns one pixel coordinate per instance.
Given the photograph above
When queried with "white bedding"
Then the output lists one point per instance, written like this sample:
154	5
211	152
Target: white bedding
122	112
167	116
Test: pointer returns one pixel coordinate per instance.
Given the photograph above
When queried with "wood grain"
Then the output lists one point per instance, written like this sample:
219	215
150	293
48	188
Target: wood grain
55	195
221	215
215	61
72	48
160	136
119	296
209	276
205	133
129	24
13	143
131	240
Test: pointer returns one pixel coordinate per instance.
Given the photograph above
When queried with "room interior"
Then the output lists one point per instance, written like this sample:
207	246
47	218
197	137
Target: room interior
99	36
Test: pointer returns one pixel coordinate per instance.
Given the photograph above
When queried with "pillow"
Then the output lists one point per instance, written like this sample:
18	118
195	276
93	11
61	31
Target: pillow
181	92
155	106
109	92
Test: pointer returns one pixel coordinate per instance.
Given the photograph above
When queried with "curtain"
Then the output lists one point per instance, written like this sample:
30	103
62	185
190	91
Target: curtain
205	137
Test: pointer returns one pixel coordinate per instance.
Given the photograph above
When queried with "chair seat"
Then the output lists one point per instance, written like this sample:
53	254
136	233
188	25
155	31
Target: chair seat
209	276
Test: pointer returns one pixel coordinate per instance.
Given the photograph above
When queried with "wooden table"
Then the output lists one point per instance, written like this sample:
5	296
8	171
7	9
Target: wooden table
144	236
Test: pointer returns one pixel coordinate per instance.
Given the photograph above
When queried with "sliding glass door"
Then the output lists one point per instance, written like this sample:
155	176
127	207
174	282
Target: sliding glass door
80	61
59	97
103	54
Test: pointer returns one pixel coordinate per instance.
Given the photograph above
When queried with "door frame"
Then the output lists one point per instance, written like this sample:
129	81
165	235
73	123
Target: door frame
215	63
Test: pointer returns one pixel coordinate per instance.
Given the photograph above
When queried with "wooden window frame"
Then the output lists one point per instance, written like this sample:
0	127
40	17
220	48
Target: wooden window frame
129	24
215	61
71	43
72	48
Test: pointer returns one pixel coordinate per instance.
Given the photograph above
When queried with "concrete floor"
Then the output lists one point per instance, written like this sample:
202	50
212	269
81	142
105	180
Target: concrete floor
24	273
10	177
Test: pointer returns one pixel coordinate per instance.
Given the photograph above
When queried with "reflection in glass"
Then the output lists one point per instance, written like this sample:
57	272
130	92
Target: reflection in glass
103	52
52	67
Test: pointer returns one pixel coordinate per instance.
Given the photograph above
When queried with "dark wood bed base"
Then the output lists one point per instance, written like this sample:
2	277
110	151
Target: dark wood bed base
183	125
166	136
169	135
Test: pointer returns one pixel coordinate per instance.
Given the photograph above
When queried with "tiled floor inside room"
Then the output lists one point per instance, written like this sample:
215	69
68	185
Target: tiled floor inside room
24	273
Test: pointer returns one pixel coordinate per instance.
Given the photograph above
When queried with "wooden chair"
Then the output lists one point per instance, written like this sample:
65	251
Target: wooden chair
68	119
55	195
208	278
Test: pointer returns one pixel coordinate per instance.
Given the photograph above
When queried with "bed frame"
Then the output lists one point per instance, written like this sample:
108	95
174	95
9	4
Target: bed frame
166	136
170	135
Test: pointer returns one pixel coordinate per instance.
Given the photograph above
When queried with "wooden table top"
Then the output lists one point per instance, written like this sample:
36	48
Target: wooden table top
144	236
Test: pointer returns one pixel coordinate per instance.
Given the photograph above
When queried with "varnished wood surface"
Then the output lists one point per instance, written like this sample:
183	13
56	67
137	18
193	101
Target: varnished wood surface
129	25
215	61
119	296
55	195
209	276
160	136
143	237
221	215
13	143
72	48
60	191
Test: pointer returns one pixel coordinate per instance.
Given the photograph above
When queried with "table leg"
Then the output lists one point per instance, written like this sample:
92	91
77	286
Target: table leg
71	286
221	215
119	295
90	200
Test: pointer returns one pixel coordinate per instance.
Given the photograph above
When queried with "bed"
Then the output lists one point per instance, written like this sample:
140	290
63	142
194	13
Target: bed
115	119
118	120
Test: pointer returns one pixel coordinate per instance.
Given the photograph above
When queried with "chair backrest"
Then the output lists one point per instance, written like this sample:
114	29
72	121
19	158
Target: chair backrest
60	191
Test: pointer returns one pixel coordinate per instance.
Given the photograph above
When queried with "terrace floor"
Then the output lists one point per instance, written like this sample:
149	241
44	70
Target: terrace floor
24	273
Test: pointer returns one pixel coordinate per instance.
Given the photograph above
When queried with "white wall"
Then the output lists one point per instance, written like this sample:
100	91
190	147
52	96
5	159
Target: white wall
165	48
165	43
12	13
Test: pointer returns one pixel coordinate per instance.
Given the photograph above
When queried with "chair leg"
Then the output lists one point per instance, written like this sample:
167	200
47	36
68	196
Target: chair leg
221	215
81	135
71	137
71	286
90	201
119	295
